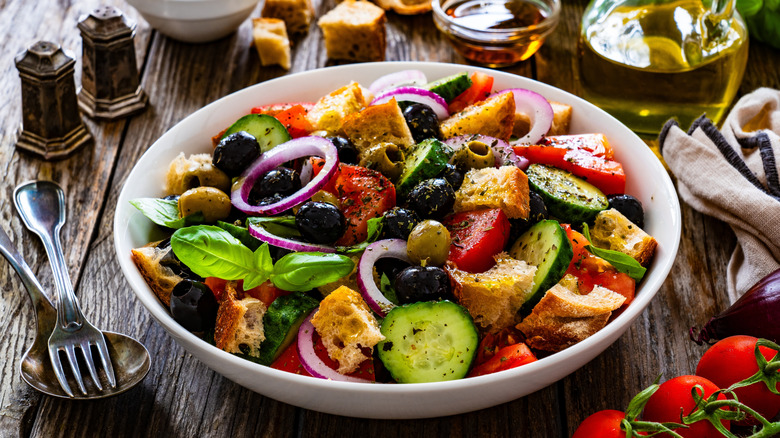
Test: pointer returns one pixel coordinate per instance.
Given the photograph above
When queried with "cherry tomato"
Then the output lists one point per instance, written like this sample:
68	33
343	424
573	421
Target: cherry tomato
481	87
511	356
476	237
732	360
673	400
602	424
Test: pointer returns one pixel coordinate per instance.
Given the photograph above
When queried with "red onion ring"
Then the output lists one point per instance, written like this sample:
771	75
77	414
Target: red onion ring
505	155
397	79
282	242
394	248
309	359
296	148
417	95
537	108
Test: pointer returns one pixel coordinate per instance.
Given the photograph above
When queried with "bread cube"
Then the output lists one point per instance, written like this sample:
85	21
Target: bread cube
239	327
296	14
406	7
384	123
505	188
614	231
271	41
494	117
160	278
329	112
355	31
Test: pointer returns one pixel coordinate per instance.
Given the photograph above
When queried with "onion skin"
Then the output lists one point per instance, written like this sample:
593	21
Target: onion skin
756	313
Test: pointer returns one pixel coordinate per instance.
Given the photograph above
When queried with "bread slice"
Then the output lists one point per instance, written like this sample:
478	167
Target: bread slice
355	31
614	231
161	279
505	188
239	327
296	14
271	41
406	7
328	113
494	117
563	318
346	326
493	298
560	124
384	123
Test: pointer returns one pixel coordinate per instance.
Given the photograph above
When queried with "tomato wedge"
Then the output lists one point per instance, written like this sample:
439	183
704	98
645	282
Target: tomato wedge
481	87
292	116
511	356
476	237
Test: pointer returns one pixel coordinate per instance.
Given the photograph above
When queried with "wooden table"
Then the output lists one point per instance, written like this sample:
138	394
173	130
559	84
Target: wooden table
182	397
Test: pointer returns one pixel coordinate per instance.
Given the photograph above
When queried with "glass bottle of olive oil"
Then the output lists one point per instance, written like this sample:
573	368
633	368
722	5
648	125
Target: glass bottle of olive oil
645	61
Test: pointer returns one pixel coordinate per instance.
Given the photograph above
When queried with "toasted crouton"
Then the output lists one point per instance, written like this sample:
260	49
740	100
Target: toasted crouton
239	327
355	31
160	278
384	123
560	124
328	113
493	298
271	41
494	117
296	14
346	325
614	231
406	7
505	188
563	318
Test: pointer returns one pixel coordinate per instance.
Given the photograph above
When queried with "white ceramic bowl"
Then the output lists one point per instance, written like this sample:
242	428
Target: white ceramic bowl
195	21
647	180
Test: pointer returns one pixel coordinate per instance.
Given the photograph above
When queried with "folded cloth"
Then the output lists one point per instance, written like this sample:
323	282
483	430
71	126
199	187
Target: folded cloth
732	175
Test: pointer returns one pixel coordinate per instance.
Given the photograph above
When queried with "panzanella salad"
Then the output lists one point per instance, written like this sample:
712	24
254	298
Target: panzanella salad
407	231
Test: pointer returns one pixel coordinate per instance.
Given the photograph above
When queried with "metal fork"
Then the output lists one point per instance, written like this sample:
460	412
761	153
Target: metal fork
41	204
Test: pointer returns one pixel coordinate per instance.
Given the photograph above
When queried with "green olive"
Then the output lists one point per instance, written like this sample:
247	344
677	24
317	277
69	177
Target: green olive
195	171
212	202
323	196
475	155
386	158
428	243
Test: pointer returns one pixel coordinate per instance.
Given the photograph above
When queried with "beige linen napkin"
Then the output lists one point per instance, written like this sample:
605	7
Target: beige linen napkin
733	175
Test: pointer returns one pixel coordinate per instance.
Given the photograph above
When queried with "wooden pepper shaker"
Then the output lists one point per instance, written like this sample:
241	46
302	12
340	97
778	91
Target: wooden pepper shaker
51	122
110	87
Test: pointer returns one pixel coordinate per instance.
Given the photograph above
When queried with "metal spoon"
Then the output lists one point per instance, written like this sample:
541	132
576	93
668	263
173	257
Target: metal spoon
130	359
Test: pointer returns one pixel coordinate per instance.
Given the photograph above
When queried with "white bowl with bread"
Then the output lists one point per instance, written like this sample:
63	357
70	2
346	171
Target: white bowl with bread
647	180
195	21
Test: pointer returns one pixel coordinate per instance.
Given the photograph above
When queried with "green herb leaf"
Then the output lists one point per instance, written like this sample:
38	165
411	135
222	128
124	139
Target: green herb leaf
282	226
210	251
374	231
165	212
622	262
242	234
386	286
302	271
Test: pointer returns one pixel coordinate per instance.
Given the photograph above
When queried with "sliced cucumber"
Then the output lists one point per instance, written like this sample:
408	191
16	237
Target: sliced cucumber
268	131
567	197
450	87
426	160
281	322
545	246
429	341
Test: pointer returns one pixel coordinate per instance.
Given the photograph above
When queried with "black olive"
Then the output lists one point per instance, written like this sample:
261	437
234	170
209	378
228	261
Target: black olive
453	175
422	283
320	222
537	213
390	267
398	223
274	186
630	207
236	152
170	261
432	198
193	305
422	122
348	154
172	198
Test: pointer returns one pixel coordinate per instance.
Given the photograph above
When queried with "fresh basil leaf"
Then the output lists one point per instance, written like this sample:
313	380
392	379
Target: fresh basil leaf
374	231
386	286
622	262
210	251
282	226
165	212
241	234
302	271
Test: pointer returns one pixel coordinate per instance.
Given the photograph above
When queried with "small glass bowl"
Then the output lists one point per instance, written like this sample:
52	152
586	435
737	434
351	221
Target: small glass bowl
467	25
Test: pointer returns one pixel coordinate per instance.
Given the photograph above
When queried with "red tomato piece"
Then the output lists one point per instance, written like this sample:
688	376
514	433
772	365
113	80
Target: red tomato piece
511	356
602	424
481	87
290	361
476	237
592	270
732	360
217	286
674	399
266	292
276	108
492	342
595	144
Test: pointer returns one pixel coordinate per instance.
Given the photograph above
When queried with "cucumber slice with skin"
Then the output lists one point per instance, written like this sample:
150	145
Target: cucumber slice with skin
281	322
430	341
426	160
268	131
450	87
567	197
545	246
